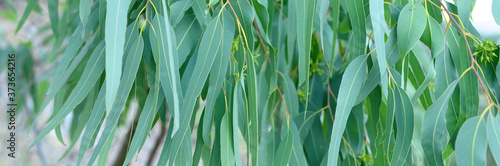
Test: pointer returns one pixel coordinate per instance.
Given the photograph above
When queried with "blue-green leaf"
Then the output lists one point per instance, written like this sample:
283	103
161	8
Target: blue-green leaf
91	74
435	127
353	79
496	13
209	46
411	24
404	121
471	143
378	22
284	149
167	63
116	20
494	136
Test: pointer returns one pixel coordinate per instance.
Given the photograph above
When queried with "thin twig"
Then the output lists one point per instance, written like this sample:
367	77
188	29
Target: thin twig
488	97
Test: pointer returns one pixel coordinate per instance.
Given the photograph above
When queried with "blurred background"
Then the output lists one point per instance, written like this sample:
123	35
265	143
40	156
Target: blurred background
36	61
35	65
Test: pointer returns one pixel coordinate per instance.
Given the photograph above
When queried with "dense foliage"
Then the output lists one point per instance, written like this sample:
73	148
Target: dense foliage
299	82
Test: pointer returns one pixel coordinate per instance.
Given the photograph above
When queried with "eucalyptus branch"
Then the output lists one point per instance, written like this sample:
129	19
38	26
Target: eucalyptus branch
488	97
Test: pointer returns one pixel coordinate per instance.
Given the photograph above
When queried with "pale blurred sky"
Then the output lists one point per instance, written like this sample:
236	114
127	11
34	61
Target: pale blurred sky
483	20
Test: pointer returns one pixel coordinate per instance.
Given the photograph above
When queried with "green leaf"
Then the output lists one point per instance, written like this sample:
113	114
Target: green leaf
357	43
125	86
236	108
167	63
116	20
31	5
53	6
425	84
187	33
145	122
353	79
496	13
284	149
297	157
91	127
411	24
200	9
84	11
262	15
433	37
91	74
201	148
494	136
378	24
253	106
469	95
209	46
62	72
435	127
305	18
217	74
245	15
404	122
227	153
178	9
471	143
103	156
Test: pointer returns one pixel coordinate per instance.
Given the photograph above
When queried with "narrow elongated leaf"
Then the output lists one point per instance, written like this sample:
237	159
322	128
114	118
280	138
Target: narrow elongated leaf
378	22
126	83
178	9
209	46
116	20
200	9
469	96
91	128
494	136
353	79
433	37
31	5
435	127
91	74
430	76
85	11
103	157
297	157
356	11
471	143
218	73
335	26
404	121
291	31
145	122
239	91
227	153
62	72
284	149
305	18
411	24
188	32
53	6
245	15
165	43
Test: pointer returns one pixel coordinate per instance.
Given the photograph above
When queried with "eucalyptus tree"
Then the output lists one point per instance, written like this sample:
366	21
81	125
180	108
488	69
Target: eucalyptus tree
299	82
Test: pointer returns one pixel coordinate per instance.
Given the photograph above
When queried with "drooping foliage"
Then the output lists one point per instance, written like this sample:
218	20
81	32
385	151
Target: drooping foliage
299	82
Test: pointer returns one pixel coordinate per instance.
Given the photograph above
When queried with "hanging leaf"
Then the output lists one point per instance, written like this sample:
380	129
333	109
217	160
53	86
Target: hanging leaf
411	25
352	80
